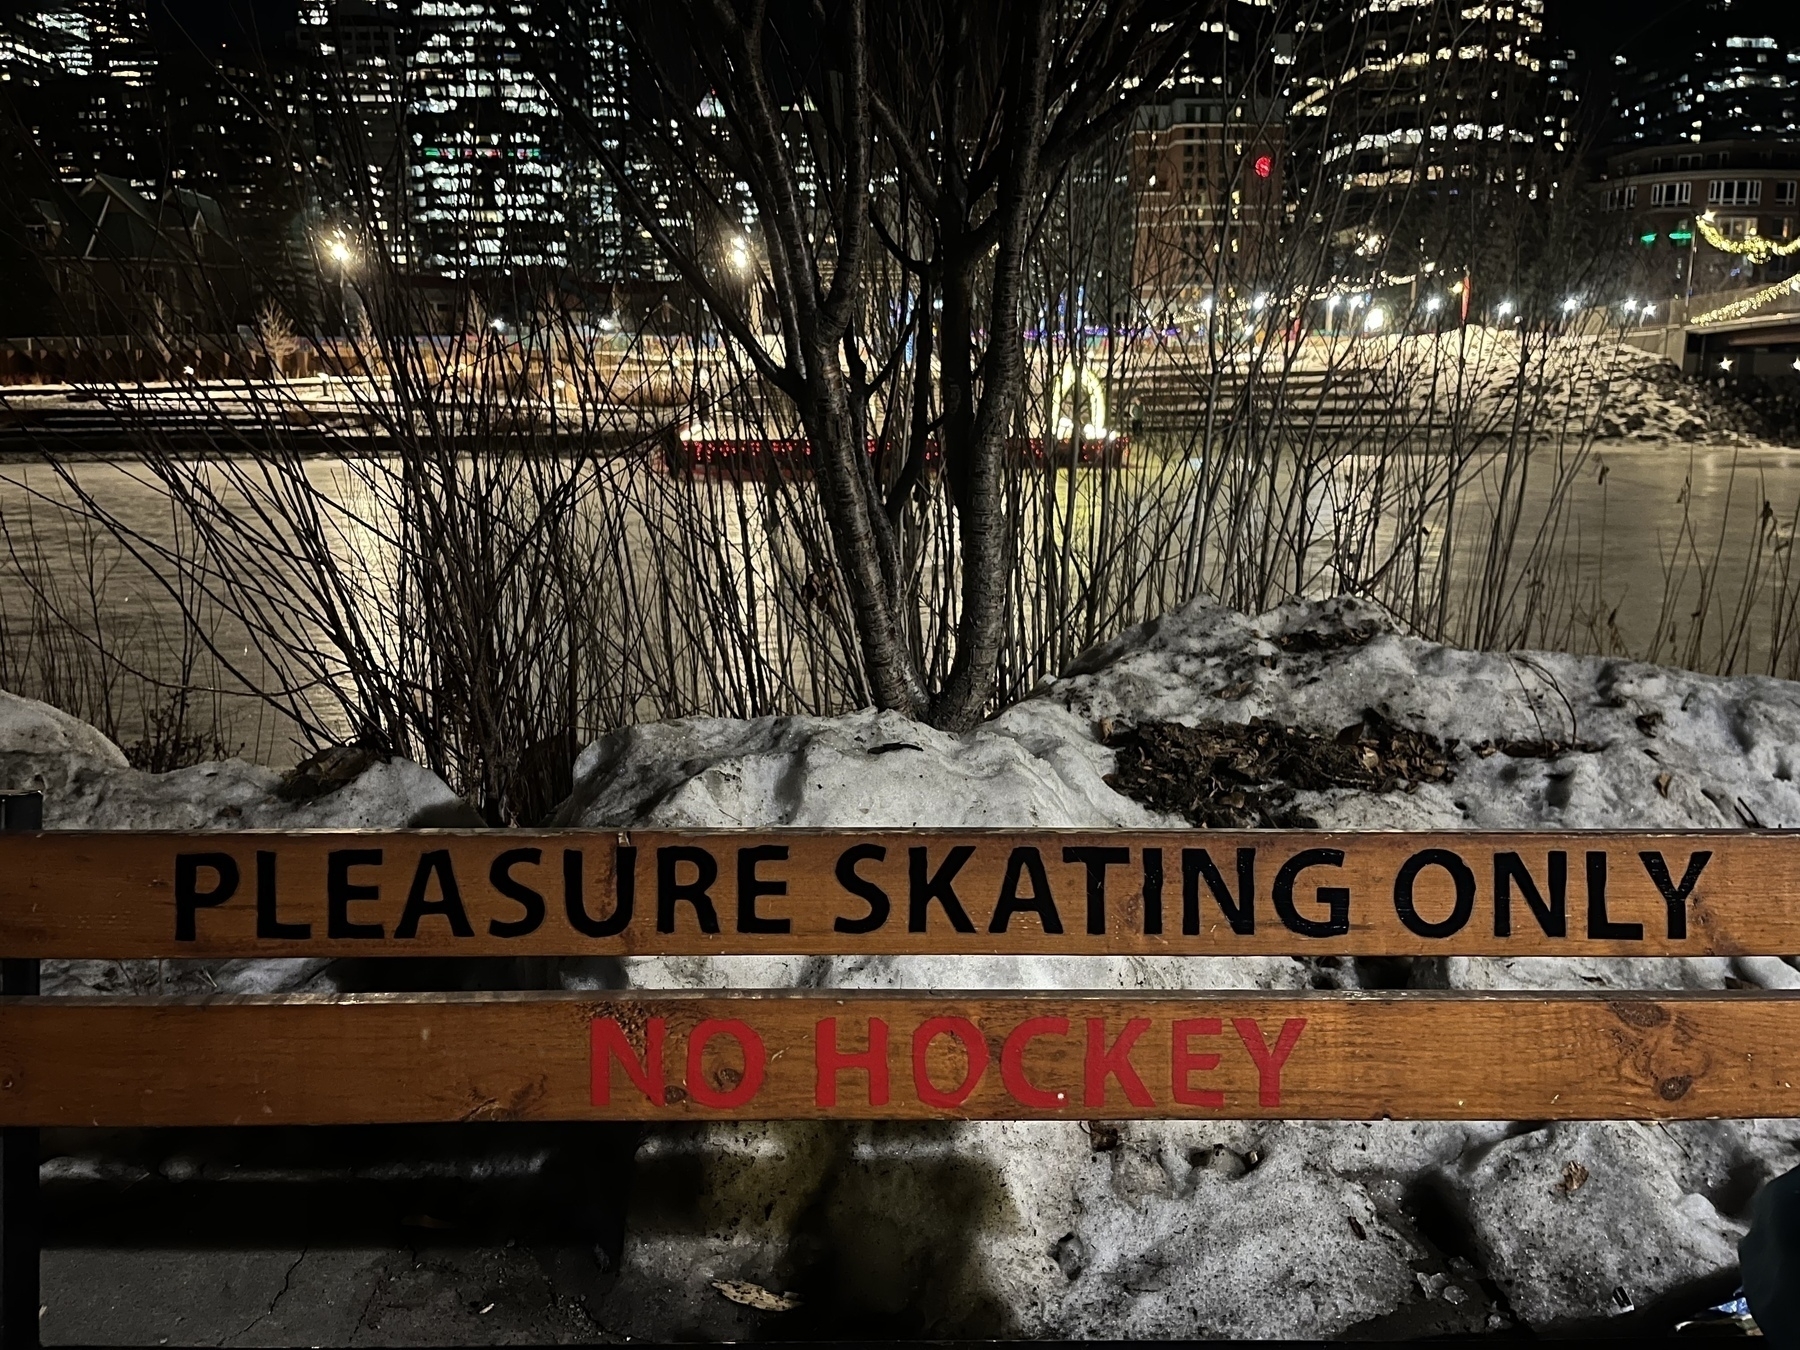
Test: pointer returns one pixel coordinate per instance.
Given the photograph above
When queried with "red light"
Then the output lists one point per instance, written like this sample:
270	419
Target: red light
1264	166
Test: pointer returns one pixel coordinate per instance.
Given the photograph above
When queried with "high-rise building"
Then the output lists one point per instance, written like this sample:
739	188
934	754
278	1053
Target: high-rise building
485	169
597	75
356	102
1562	107
1737	77
1206	177
1419	103
80	75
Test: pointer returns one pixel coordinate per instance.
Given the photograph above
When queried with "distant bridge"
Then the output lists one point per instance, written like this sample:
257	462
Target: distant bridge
1756	332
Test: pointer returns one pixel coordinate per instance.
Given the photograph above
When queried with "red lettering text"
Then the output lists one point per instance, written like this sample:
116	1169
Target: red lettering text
609	1044
974	1049
1269	1061
1184	1062
1012	1062
1103	1063
829	1062
729	1088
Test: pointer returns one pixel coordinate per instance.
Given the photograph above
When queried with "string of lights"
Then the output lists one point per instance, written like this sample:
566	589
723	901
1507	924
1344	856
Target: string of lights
1737	309
1757	248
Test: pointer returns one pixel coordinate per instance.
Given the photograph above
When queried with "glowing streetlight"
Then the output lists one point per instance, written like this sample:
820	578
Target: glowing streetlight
1374	319
1571	305
740	254
498	325
1258	302
1505	309
1725	363
1433	305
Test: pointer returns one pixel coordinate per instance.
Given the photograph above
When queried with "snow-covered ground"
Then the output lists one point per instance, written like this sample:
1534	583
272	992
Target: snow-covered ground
1153	1229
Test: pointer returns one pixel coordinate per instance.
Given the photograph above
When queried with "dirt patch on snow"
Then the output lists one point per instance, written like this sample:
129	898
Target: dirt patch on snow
1228	775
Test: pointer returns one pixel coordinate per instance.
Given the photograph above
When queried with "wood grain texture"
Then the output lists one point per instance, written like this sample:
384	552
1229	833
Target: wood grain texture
449	893
375	1058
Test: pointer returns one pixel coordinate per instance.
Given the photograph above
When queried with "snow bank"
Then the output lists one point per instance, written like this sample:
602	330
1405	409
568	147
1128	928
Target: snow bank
1211	1228
1151	1229
87	785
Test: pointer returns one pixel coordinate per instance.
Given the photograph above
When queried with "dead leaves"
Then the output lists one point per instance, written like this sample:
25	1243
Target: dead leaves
1574	1177
1228	775
755	1296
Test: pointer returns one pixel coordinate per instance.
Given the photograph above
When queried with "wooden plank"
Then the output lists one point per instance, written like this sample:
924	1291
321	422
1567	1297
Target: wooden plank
1048	891
487	893
342	1059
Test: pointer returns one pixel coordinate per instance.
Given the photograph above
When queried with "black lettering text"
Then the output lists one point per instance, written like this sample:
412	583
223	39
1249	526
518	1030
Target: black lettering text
1460	875
751	888
1240	912
1510	871
449	902
1039	902
188	895
922	891
1336	899
1598	924
268	922
1097	860
1675	897
500	877
669	891
624	889
866	891
340	891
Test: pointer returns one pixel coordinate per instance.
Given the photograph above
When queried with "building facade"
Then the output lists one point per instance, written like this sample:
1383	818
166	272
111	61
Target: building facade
1206	180
1412	106
1739	77
80	76
1669	198
486	174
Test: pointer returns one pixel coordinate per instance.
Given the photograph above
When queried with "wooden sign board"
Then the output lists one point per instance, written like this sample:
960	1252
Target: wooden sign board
644	1056
588	893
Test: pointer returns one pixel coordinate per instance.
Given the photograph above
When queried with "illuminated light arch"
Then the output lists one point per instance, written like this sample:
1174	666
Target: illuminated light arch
1091	393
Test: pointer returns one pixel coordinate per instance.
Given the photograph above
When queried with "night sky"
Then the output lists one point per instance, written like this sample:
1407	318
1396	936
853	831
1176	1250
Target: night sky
1596	29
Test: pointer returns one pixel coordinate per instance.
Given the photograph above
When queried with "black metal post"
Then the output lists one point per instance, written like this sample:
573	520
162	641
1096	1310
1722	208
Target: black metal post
19	1145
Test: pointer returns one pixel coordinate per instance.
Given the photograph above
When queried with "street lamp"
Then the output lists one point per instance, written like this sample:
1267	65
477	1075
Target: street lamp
342	258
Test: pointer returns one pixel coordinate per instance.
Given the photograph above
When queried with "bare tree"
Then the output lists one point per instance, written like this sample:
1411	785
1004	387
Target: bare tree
925	138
